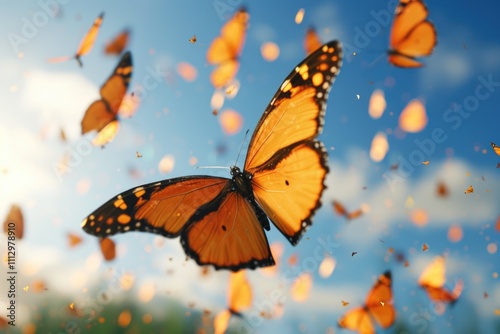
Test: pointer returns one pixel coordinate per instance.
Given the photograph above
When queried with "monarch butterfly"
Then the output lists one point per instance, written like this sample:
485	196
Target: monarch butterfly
411	34
433	279
118	43
85	45
102	115
311	41
378	306
341	210
221	221
496	148
14	222
226	48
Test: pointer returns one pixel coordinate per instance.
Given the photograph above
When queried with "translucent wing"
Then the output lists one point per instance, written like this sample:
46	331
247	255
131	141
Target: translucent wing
287	165
358	320
311	41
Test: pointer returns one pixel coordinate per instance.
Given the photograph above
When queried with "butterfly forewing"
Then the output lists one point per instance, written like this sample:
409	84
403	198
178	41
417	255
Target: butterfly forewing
357	319
161	207
287	165
227	234
379	301
88	41
420	42
408	16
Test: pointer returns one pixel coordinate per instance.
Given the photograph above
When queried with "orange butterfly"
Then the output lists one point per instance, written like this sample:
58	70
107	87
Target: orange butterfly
311	41
85	45
118	43
226	48
378	306
221	221
102	115
411	34
239	297
14	222
496	148
342	211
433	279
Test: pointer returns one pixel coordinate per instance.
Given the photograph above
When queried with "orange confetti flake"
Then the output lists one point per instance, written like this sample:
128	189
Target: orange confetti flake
231	121
377	104
413	118
270	51
379	147
124	318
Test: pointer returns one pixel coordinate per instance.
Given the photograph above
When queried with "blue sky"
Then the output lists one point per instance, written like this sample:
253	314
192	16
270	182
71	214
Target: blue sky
175	119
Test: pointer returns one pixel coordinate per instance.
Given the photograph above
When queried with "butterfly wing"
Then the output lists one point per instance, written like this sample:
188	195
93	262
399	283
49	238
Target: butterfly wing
14	221
434	274
118	43
287	164
411	35
358	320
379	301
240	292
311	41
226	48
496	148
88	41
103	111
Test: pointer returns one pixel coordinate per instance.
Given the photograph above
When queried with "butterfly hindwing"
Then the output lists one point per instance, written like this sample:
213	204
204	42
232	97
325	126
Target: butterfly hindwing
312	41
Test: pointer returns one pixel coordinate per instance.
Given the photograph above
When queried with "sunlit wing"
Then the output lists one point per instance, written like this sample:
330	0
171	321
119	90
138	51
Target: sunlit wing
228	233
496	148
339	208
116	45
379	301
288	166
311	41
103	114
14	222
434	274
358	320
226	48
411	34
240	292
444	296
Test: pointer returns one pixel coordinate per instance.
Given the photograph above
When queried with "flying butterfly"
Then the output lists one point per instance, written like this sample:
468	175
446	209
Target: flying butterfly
496	148
312	41
433	280
116	45
226	48
341	210
85	45
221	221
102	115
412	35
378	307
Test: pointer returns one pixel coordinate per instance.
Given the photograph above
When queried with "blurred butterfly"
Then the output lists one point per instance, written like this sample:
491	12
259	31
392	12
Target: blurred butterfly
469	190
342	211
118	43
240	297
378	307
221	221
102	115
433	280
85	45
311	41
14	222
496	148
193	39
226	48
411	34
108	249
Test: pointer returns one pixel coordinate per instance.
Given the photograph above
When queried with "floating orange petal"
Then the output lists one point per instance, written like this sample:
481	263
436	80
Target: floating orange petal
187	71
14	222
413	118
377	104
166	164
74	240
124	318
270	51
231	121
301	287
455	233
379	148
299	16
108	249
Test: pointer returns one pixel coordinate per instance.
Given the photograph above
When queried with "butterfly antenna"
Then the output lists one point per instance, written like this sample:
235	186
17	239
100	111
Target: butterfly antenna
241	147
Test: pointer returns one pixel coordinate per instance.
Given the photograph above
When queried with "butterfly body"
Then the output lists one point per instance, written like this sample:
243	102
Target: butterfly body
221	221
